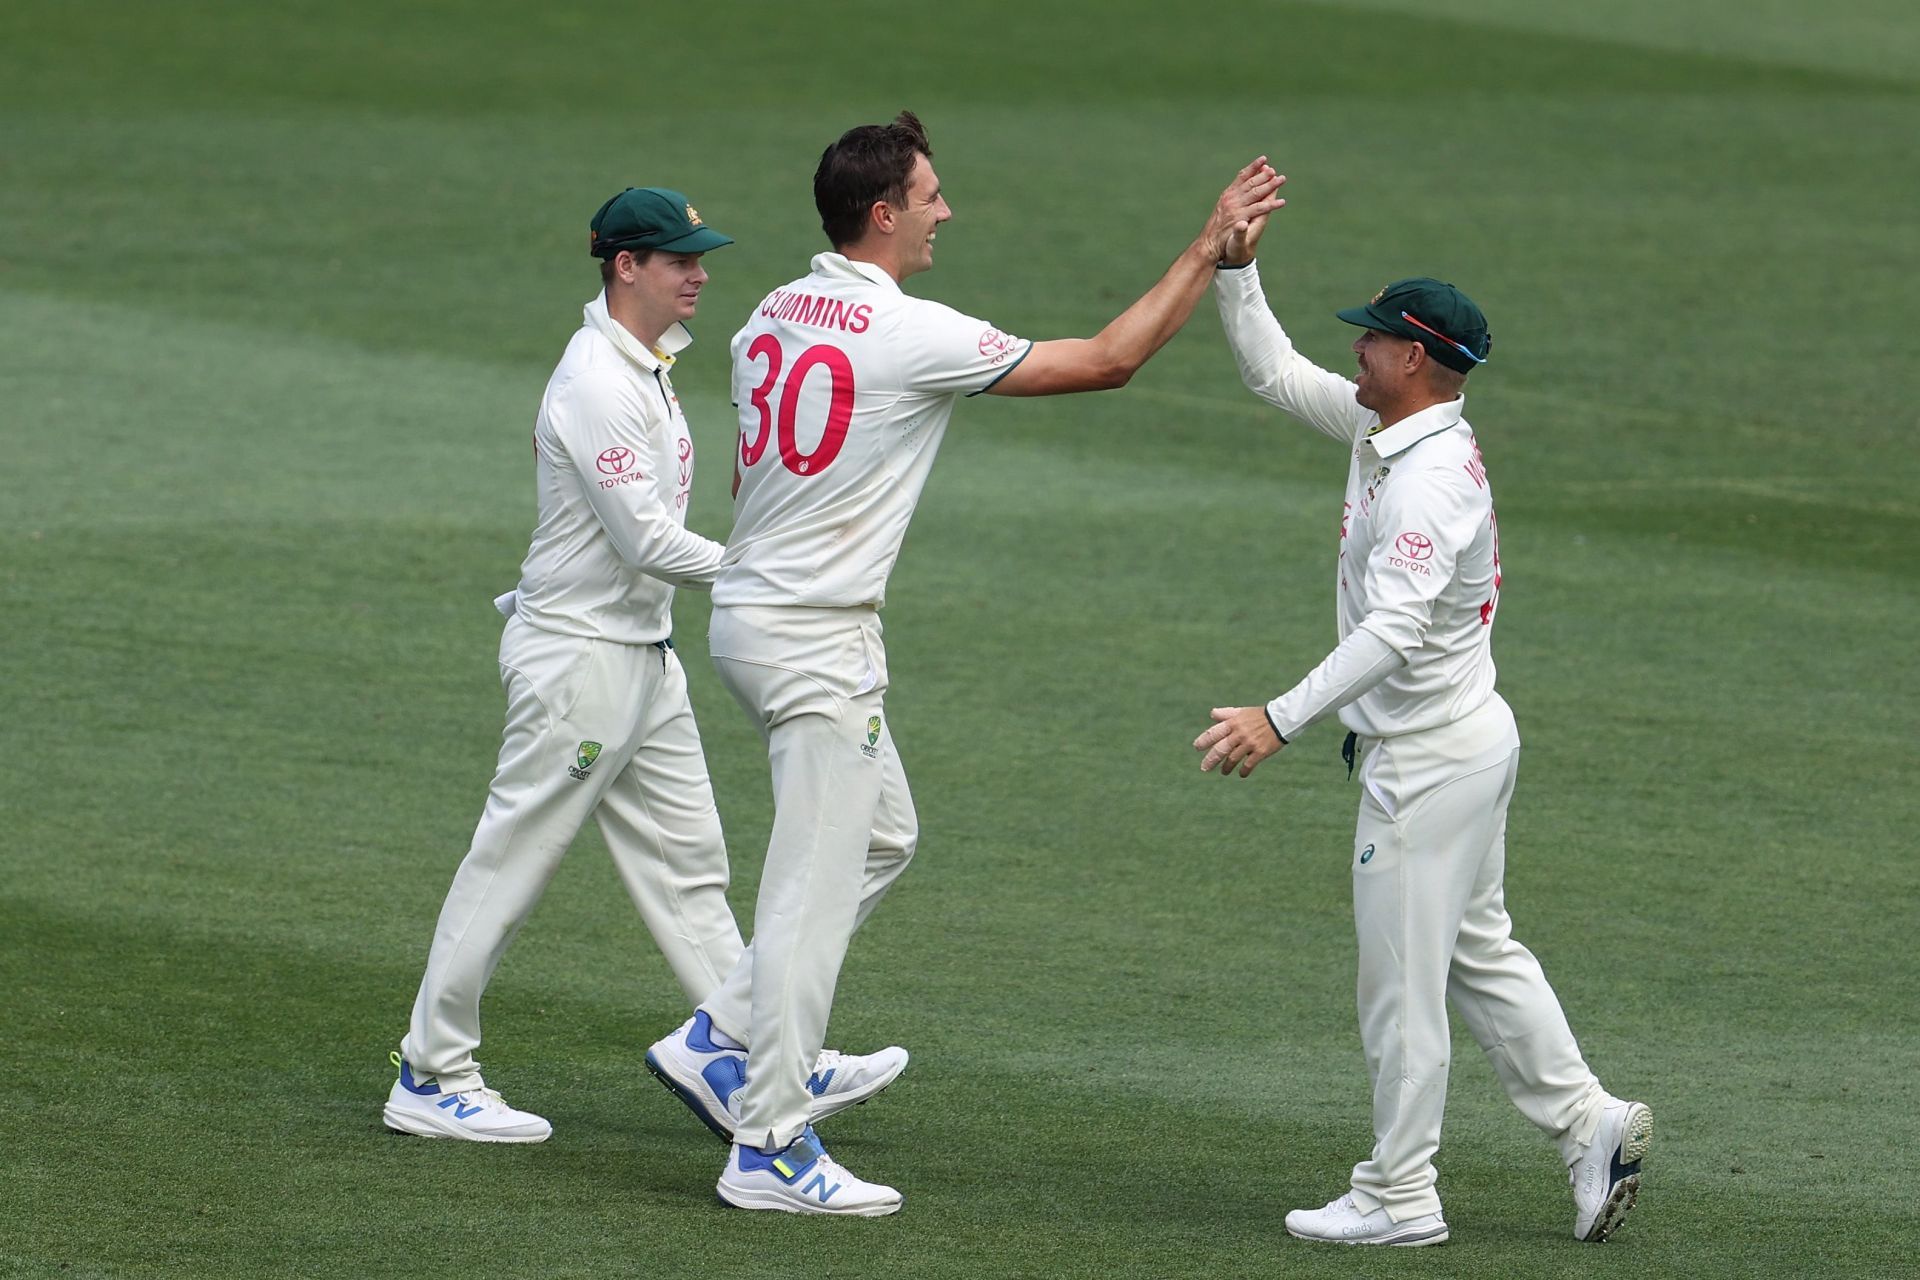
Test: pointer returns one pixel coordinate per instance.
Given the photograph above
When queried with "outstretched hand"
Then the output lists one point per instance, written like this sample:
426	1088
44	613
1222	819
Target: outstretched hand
1248	201
1241	737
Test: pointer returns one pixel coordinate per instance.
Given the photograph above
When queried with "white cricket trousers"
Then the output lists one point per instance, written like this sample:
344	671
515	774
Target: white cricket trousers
595	728
844	828
1431	918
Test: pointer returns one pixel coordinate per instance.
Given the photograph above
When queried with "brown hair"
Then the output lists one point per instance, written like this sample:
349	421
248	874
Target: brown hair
868	163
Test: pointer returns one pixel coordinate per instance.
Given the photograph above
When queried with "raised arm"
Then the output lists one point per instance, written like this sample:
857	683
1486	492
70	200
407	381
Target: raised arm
1269	364
1096	364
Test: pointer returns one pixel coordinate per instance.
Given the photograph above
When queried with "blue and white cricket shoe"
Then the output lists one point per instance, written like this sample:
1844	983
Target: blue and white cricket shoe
478	1115
708	1075
1606	1177
802	1178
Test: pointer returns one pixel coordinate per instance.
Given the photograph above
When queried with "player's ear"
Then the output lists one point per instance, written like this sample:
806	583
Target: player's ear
880	217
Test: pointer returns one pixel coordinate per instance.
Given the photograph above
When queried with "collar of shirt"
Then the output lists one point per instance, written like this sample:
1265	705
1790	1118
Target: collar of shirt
839	266
672	342
1409	431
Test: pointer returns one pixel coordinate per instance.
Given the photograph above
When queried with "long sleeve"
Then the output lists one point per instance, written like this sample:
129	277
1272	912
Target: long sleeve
1433	516
615	441
1356	665
1273	370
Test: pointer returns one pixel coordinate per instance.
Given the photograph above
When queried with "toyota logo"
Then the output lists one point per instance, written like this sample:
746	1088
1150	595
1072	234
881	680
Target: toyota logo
995	343
1415	546
614	461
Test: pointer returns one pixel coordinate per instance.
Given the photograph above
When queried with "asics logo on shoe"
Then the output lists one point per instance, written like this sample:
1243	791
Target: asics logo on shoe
460	1111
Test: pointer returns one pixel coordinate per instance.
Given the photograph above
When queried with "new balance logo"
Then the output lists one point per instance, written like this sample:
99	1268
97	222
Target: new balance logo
460	1111
820	1188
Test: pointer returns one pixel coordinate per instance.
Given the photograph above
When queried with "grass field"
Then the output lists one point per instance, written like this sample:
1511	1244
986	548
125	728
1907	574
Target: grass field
279	287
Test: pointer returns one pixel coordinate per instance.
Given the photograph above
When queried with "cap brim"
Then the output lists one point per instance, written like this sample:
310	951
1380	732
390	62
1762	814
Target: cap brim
702	239
1368	318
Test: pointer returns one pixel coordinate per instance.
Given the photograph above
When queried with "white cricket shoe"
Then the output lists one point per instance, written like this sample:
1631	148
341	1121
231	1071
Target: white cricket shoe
1341	1222
709	1076
802	1178
1606	1177
478	1115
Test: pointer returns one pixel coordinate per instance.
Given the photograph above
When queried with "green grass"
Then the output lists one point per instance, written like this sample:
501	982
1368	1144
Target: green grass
279	287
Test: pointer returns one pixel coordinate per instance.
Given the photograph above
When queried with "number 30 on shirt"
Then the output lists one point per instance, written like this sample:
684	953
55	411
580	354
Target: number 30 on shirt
777	400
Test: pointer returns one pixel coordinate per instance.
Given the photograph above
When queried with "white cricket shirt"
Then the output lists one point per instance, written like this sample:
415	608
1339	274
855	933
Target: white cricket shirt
1419	566
613	469
845	386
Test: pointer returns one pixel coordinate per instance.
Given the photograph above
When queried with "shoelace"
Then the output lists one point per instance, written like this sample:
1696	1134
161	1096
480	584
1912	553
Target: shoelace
488	1098
833	1170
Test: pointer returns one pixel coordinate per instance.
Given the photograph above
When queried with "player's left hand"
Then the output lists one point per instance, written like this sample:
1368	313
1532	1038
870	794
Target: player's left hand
1241	737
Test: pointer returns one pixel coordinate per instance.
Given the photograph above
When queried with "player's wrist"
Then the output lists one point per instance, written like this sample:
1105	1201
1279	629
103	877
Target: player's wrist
1205	251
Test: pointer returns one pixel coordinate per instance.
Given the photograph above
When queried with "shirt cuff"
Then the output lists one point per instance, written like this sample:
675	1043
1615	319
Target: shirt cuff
1238	281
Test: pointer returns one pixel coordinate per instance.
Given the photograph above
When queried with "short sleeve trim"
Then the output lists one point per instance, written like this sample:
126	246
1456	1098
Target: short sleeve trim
1003	373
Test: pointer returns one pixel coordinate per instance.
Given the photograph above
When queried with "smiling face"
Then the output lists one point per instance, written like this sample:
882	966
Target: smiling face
918	218
1387	364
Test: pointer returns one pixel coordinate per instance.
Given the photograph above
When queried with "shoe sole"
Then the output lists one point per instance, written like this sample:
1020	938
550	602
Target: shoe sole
735	1198
696	1100
422	1127
1412	1240
1637	1137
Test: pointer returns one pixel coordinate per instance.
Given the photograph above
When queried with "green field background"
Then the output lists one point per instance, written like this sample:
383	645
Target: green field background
279	287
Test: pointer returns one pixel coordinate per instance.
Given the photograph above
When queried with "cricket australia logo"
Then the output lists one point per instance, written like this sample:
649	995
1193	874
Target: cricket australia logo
589	752
871	747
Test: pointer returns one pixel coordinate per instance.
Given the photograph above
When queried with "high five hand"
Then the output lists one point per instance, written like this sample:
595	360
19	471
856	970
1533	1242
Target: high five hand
1248	199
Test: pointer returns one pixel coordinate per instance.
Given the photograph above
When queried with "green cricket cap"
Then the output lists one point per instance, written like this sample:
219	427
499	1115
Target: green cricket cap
650	218
1432	313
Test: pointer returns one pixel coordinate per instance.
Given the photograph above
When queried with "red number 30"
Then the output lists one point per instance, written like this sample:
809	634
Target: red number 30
839	406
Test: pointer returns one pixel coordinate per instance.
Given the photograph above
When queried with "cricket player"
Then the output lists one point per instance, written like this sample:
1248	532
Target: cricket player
598	721
845	385
1418	584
